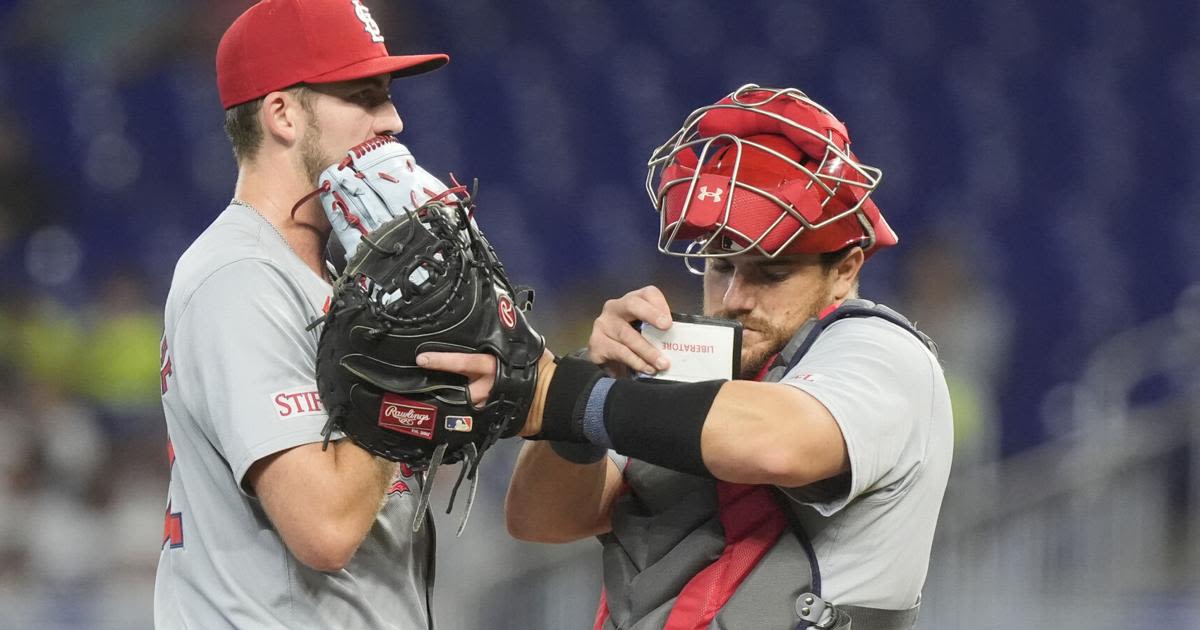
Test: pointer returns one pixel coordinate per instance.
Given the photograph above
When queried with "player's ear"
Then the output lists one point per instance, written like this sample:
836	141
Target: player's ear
845	273
282	117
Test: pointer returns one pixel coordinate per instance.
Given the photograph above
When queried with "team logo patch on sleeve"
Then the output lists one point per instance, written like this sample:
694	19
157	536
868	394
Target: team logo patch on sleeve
807	377
400	481
461	424
297	402
410	417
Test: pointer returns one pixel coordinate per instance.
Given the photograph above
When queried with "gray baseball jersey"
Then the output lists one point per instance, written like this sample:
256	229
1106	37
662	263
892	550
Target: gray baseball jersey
238	384
872	529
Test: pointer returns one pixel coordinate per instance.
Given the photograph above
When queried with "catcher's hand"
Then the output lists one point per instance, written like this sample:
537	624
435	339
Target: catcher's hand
376	182
617	346
426	281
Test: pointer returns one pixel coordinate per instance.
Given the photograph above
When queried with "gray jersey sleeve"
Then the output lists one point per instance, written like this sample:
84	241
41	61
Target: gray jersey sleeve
878	382
243	337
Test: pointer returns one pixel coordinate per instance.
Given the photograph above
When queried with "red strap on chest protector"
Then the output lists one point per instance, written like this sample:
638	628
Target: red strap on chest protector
753	522
601	610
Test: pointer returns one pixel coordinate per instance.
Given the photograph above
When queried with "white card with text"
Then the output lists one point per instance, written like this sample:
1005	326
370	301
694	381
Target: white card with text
699	348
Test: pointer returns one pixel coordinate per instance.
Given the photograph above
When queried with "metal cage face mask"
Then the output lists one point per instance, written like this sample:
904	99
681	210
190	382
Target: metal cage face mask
763	171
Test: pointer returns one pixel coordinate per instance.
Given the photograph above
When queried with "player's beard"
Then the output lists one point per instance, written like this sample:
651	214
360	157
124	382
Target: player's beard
774	336
313	158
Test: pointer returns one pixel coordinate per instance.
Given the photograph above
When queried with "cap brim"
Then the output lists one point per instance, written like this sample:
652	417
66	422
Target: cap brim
397	65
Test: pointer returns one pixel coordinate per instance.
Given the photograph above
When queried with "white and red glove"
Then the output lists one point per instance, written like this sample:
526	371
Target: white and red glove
377	181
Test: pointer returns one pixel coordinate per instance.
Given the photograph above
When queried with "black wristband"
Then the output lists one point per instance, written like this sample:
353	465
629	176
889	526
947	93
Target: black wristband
660	423
566	400
578	453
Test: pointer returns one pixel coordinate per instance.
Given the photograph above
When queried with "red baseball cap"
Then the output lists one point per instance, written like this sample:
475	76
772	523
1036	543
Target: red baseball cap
276	44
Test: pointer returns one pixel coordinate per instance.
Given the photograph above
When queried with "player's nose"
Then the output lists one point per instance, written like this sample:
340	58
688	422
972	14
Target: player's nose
739	295
388	122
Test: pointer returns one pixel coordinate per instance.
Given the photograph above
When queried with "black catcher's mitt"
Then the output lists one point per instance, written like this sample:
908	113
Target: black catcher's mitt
425	281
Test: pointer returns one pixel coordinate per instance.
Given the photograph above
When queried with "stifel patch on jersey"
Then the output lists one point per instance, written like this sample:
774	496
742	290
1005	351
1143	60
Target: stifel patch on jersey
402	415
297	402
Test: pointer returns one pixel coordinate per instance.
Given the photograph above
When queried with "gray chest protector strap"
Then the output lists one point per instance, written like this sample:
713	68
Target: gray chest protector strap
804	338
812	610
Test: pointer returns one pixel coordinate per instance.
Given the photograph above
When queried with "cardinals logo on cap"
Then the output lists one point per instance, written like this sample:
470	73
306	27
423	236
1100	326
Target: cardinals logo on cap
369	23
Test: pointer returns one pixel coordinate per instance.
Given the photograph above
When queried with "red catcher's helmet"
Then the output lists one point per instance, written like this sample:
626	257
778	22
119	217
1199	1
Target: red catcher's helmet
764	171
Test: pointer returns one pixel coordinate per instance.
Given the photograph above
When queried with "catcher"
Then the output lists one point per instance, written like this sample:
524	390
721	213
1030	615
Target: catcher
802	494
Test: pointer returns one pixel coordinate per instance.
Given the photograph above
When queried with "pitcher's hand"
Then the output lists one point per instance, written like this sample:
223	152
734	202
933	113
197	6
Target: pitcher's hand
480	370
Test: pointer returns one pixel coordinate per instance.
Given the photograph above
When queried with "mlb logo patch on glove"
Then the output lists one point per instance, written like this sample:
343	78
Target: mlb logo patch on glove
459	423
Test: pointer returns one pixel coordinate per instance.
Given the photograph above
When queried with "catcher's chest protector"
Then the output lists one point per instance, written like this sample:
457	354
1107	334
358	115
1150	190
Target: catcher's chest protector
691	553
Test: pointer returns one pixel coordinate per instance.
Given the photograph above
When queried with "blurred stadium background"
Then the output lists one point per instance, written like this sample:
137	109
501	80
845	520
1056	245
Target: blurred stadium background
1039	162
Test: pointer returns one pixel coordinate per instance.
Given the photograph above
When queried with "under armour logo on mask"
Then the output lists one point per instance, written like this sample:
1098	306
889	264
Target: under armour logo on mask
714	195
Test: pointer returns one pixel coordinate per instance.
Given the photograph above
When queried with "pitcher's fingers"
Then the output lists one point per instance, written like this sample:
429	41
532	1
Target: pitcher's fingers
472	366
480	390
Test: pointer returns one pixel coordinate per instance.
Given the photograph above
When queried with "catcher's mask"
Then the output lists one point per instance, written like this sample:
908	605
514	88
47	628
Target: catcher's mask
763	171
